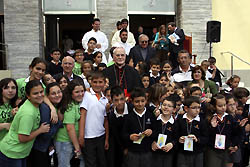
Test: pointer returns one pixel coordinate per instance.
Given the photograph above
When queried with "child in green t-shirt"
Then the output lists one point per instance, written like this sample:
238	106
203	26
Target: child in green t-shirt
8	97
79	59
67	143
17	144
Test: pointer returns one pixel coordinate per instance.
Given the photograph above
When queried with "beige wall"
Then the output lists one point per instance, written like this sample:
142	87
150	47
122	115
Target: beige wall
235	32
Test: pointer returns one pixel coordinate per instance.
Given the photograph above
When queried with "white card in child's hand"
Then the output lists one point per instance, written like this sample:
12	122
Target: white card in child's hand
161	140
220	141
188	144
140	139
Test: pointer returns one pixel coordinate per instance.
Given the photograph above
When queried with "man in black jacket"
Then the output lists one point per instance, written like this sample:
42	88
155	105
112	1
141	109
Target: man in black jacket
142	52
177	37
120	74
68	64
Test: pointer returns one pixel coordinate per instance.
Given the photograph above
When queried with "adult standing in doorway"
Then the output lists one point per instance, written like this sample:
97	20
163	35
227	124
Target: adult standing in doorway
102	40
123	43
176	37
116	37
161	43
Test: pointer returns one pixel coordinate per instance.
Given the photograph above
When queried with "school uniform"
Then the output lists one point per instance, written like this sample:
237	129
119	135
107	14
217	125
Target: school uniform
236	157
54	69
169	128
153	79
197	127
139	154
116	144
217	156
94	153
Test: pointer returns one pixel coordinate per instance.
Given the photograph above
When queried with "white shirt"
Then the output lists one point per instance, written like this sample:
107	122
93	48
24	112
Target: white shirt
126	46
153	76
140	115
125	112
221	118
85	81
99	36
208	75
171	119
96	111
183	76
116	38
197	118
71	77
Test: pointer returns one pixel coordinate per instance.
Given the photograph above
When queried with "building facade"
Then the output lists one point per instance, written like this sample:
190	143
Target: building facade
33	32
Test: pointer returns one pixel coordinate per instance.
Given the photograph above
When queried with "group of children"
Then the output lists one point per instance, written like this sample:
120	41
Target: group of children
159	124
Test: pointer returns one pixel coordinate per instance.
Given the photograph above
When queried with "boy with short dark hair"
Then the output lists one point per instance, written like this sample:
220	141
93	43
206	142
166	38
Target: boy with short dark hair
193	134
242	95
88	54
93	129
137	130
154	72
54	67
116	118
216	73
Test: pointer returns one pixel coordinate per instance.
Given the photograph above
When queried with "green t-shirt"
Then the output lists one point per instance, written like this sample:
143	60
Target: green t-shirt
110	63
5	117
21	83
77	69
26	121
21	87
71	116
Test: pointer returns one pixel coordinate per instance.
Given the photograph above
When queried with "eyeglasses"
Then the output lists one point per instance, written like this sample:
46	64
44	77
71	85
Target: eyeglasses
196	108
144	41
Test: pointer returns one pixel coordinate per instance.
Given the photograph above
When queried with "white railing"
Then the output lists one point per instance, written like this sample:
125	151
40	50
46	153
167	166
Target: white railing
232	60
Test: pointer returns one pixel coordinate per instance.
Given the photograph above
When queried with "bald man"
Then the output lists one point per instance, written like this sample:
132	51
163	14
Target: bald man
68	64
142	52
120	74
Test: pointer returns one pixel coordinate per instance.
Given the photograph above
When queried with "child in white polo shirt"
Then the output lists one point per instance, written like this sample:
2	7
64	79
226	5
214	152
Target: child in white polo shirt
93	130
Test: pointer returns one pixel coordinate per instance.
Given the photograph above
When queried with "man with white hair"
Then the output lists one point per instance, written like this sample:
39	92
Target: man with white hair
68	64
120	74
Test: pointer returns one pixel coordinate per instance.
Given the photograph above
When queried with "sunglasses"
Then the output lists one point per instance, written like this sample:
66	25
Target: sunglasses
144	41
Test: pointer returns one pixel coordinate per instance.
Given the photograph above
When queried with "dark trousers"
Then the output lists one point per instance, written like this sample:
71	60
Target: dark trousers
94	153
190	160
9	162
162	160
216	158
38	159
139	159
114	154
